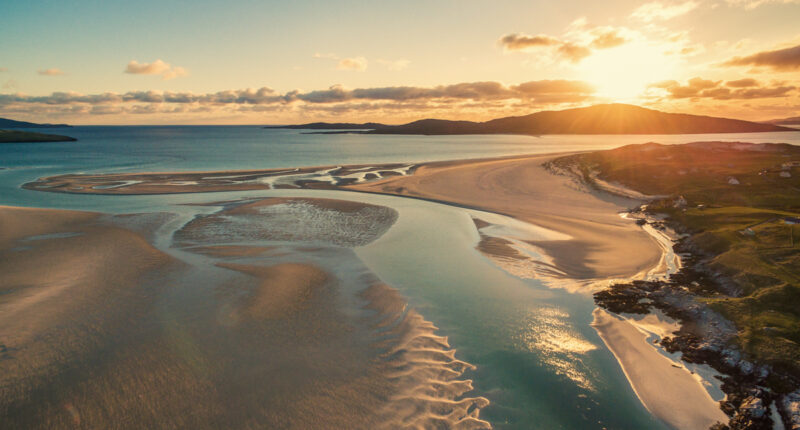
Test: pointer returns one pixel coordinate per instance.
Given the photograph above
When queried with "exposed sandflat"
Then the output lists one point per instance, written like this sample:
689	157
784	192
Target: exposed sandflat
603	246
672	394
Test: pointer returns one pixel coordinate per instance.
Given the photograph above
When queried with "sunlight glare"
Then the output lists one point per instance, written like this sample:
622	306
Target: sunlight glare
623	73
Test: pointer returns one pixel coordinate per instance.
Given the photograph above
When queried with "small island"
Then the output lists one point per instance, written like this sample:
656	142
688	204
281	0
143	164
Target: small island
9	134
17	136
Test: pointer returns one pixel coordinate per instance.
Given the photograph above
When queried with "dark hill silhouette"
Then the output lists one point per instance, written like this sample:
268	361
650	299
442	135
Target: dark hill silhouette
330	126
10	123
598	119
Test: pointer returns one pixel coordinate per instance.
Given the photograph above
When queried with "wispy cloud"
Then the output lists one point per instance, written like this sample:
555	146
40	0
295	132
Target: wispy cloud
522	42
578	42
742	89
781	60
358	64
158	67
608	39
662	11
752	4
51	72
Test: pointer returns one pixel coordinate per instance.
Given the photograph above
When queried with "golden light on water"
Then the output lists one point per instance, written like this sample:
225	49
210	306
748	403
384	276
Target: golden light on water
548	332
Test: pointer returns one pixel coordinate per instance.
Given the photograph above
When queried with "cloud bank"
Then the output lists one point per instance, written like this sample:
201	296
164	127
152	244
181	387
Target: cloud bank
781	60
466	95
742	89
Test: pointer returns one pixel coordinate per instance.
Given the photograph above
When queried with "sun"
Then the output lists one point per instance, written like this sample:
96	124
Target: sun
623	73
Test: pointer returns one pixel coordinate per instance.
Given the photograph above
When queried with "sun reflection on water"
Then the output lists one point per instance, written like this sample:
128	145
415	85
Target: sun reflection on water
548	333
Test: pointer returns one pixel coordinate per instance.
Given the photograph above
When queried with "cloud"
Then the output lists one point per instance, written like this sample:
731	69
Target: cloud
698	88
356	63
577	43
522	42
3	69
573	53
781	60
608	39
51	72
533	92
752	4
742	83
395	104
158	67
660	11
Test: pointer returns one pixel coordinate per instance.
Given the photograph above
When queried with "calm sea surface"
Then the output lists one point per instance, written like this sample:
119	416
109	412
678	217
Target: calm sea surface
538	361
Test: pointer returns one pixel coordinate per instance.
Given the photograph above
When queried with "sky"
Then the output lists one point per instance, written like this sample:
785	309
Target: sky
279	62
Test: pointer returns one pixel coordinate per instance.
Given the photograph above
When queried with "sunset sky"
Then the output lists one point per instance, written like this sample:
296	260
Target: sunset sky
259	62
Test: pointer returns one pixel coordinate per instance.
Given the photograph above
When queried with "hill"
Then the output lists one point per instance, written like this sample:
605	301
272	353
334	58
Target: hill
735	202
10	123
330	126
16	136
790	120
598	119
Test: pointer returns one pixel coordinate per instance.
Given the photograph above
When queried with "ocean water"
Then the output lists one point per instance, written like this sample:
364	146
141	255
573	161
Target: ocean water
538	361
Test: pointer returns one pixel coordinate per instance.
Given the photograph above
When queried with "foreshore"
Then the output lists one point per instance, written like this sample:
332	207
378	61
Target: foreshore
592	246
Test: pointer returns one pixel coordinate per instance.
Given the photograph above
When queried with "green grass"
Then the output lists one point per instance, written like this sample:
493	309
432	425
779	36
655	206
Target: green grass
764	265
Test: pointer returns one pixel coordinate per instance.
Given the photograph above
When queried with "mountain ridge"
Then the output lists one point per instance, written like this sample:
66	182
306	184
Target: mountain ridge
598	119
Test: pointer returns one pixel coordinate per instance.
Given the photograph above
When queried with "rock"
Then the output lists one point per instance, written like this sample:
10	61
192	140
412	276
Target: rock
730	357
753	406
746	367
791	405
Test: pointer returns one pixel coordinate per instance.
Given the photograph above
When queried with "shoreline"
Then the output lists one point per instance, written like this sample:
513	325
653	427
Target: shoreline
599	246
669	392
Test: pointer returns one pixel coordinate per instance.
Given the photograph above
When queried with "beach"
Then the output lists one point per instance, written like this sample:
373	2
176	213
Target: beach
101	329
529	220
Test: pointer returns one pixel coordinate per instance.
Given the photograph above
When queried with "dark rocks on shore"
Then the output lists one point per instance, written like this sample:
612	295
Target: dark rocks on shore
706	337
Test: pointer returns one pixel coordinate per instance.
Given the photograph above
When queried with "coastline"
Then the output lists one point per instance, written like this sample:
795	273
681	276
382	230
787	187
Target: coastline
592	247
667	390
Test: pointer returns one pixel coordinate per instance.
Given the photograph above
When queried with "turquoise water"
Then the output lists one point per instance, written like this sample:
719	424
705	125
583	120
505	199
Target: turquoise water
538	361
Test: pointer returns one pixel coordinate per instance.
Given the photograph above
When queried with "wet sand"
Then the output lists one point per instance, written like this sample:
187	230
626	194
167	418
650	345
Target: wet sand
603	245
99	329
591	244
668	392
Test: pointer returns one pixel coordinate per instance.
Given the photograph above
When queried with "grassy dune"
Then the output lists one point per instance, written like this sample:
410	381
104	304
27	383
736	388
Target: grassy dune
737	197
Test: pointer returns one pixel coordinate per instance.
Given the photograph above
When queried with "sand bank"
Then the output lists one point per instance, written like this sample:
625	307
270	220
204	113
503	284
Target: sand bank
603	246
671	393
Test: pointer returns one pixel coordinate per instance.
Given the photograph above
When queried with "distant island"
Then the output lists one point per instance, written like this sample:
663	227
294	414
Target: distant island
795	120
599	119
10	123
19	136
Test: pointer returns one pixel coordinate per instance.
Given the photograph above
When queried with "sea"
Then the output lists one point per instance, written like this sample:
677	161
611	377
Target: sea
537	359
